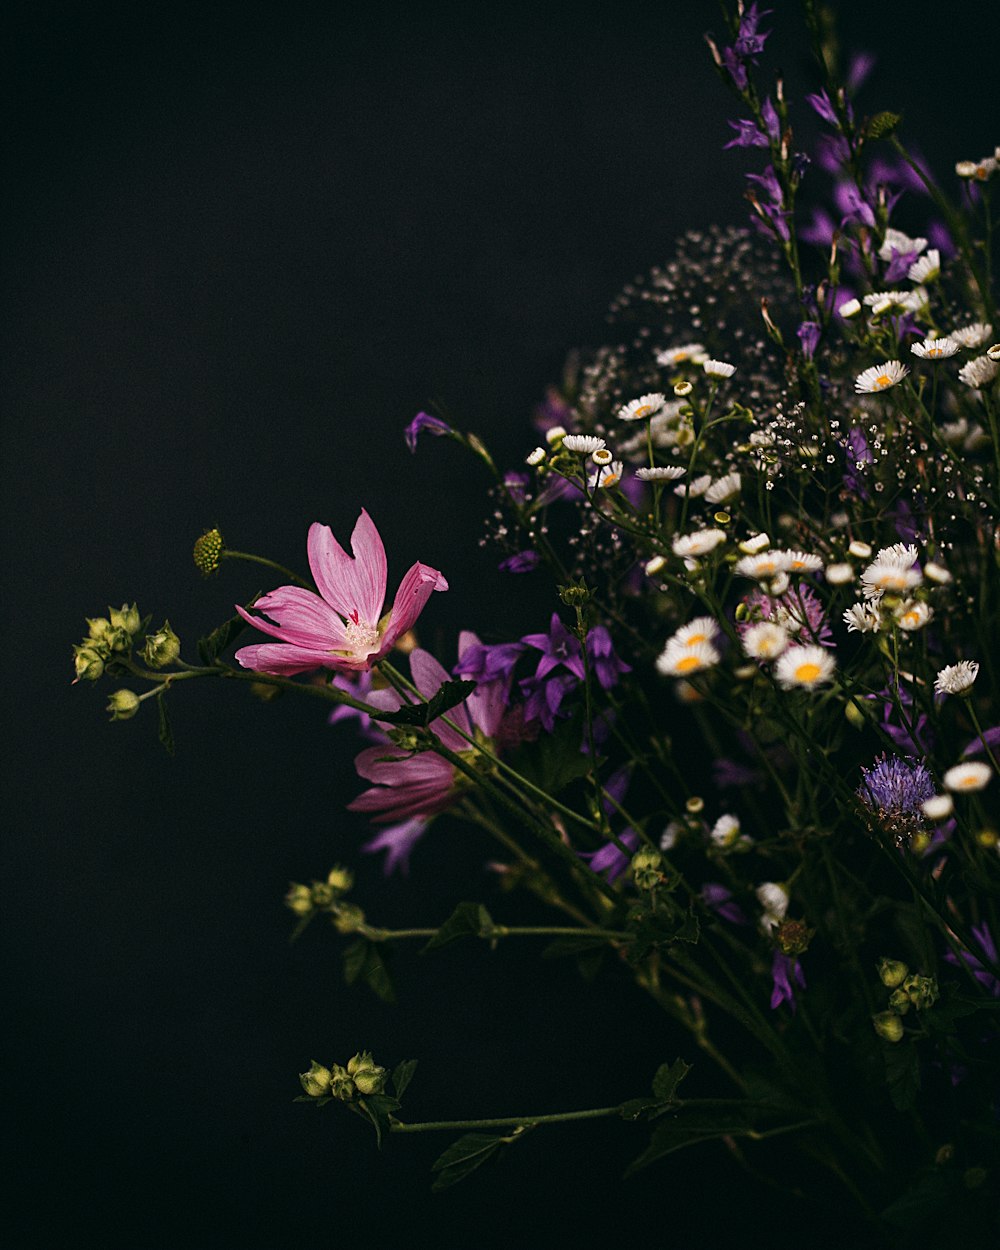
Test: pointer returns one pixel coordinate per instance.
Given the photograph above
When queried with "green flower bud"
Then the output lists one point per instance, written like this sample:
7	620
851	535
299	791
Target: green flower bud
125	618
123	704
97	627
892	972
944	1155
89	664
574	595
117	639
348	918
322	894
341	879
899	1002
316	1082
921	991
341	1085
367	1075
888	1026
208	551
647	868
161	648
299	899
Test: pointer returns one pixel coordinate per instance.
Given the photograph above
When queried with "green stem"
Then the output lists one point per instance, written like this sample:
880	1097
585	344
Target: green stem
510	1121
229	554
498	931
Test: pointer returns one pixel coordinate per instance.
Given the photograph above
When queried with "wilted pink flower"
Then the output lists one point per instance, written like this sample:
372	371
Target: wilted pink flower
342	627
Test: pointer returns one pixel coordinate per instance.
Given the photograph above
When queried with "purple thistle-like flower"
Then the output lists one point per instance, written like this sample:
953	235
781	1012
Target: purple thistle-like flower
809	334
893	793
785	969
422	422
607	667
521	562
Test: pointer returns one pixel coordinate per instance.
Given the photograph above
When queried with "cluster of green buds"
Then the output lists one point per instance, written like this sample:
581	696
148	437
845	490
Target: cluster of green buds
108	637
908	989
361	1078
320	896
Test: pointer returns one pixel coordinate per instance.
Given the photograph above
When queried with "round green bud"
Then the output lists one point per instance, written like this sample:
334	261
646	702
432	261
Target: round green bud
88	663
647	868
316	1082
348	918
299	899
162	648
921	991
888	1026
322	894
899	1001
892	972
208	551
341	879
123	704
368	1077
341	1085
574	596
117	639
125	618
97	627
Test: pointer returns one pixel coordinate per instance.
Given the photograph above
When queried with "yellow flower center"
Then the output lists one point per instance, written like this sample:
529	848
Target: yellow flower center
688	664
882	381
807	672
694	639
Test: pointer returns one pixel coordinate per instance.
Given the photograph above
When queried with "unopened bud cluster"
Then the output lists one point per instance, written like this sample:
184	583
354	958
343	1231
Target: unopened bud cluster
325	896
109	643
908	989
361	1078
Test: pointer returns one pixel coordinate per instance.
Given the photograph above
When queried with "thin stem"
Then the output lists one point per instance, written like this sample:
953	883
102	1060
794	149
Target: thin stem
228	554
510	1121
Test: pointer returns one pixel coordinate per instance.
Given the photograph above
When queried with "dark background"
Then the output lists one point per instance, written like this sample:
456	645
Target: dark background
244	245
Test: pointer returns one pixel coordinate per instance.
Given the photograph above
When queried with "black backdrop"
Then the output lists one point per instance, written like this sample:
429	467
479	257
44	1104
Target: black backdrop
245	244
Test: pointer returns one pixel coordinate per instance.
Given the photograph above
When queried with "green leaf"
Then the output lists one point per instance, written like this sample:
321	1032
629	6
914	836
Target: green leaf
463	1157
403	1075
467	920
448	696
902	1071
213	645
555	759
364	959
165	733
686	1130
929	1195
376	1108
668	1077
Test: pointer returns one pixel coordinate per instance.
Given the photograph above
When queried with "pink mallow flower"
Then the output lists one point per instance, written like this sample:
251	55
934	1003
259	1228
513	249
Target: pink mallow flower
343	626
406	785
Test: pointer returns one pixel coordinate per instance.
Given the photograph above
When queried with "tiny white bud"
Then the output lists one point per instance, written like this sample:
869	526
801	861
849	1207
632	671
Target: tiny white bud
939	807
535	457
850	308
839	574
937	573
653	566
555	434
859	549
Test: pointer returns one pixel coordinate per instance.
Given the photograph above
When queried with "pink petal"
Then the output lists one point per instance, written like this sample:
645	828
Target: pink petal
285	660
300	617
378	764
351	586
488	701
414	591
428	677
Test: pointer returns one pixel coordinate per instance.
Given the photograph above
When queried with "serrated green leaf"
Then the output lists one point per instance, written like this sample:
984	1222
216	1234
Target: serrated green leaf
668	1077
449	695
462	1157
902	1072
363	959
165	733
212	645
689	1130
403	1075
555	759
467	920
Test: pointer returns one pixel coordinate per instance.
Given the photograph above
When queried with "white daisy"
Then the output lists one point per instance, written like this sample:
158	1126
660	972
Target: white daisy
807	667
897	241
994	352
778	585
774	899
862	618
693	352
670	835
762	567
583	443
601	456
682	388
724	488
661	473
888	575
755	544
849	308
903	554
882	302
980	170
680	661
839	574
938	806
694	488
643	407
718	368
913	615
880	377
607	477
700	543
927	268
701	629
765	640
934	349
979	372
535	457
974	335
726	831
957	678
971	776
802	562
554	435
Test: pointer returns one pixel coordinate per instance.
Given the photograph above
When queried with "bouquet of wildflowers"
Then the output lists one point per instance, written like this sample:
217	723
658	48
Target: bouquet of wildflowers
749	760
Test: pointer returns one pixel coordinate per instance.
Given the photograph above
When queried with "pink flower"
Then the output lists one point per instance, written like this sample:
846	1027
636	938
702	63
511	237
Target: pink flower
342	627
407	786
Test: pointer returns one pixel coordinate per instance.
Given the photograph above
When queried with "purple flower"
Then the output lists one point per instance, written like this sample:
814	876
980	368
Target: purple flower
893	793
853	206
859	67
899	265
543	699
552	411
820	230
770	210
718	899
521	562
398	842
735	68
833	153
749	39
912	733
558	646
822	106
984	940
424	421
483	662
748	135
610	859
784	970
990	736
857	456
730	774
809	333
606	665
